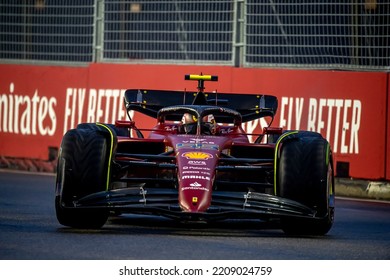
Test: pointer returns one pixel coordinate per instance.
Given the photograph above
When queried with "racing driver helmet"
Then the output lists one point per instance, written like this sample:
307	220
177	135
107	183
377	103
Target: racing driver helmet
208	124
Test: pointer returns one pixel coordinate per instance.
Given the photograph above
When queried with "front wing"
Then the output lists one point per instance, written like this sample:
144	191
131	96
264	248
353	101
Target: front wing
225	205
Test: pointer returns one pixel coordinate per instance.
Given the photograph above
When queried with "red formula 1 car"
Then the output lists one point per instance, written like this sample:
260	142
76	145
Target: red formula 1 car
196	164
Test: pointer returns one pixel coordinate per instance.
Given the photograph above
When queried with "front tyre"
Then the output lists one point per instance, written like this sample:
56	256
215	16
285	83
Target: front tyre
305	174
83	169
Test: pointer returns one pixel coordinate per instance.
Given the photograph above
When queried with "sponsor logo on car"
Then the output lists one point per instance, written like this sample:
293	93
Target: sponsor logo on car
197	155
189	188
196	171
197	168
197	146
196	162
196	177
191	172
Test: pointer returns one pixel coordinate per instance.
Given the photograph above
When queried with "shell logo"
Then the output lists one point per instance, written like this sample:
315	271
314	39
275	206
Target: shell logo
197	155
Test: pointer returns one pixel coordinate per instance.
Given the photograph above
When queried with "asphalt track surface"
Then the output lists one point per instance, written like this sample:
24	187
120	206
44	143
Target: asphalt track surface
29	231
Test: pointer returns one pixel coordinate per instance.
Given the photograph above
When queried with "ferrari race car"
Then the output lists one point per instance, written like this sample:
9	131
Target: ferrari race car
196	164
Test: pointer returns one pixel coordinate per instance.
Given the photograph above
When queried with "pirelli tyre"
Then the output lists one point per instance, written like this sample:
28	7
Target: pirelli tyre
119	131
83	168
305	174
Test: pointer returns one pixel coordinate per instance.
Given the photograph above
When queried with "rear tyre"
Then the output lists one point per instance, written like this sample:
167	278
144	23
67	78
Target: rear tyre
305	174
82	170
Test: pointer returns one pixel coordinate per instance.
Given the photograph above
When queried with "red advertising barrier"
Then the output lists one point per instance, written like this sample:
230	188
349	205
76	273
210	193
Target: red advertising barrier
32	102
348	108
38	104
387	150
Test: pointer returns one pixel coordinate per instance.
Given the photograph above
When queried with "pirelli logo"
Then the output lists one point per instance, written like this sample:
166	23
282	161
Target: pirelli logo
197	155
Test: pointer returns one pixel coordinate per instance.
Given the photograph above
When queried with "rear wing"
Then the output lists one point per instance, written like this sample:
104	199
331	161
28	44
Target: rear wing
250	106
